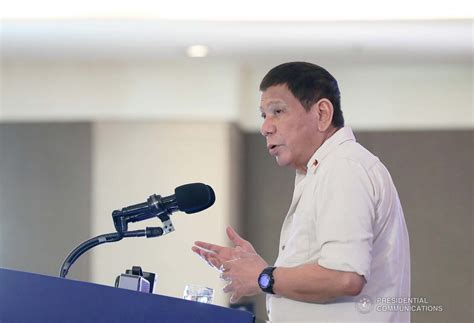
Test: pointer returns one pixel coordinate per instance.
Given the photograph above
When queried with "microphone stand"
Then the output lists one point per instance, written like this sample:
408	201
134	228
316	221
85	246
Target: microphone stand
149	232
121	219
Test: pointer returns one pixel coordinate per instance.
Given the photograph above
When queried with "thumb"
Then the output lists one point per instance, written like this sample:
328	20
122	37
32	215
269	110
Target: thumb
234	237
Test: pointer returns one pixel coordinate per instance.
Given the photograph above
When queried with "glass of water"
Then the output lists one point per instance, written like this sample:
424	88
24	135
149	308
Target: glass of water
199	294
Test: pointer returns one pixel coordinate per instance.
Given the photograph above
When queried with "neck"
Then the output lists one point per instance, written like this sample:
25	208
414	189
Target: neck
329	134
326	135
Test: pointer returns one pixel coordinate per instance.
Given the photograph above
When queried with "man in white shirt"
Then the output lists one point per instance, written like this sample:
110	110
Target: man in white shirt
344	242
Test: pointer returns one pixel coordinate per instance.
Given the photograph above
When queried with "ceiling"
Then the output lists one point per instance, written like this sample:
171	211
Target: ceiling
116	39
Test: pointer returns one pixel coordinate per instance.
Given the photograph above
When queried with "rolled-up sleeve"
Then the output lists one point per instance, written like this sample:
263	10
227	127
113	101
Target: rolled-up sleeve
345	216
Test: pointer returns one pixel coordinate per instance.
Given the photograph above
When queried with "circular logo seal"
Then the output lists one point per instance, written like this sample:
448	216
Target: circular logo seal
364	304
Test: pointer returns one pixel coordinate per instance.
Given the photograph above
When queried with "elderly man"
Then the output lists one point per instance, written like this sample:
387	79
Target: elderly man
344	242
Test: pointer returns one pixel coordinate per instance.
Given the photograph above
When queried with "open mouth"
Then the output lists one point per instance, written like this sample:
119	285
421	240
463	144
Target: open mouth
272	149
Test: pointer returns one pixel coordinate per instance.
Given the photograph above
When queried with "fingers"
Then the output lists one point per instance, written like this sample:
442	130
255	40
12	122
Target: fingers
208	246
230	284
223	269
234	299
203	253
233	282
214	262
209	252
238	241
225	277
227	266
228	288
210	257
234	237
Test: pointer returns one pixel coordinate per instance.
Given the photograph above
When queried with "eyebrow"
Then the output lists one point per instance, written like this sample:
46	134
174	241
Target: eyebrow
274	104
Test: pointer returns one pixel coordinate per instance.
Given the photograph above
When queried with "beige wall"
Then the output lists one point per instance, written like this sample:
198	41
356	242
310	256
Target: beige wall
89	90
375	95
133	160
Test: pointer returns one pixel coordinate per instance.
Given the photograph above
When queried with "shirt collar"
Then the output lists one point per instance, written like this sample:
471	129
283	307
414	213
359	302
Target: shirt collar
342	135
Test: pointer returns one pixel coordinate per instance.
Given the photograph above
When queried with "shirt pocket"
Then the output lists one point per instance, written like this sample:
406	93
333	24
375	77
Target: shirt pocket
296	249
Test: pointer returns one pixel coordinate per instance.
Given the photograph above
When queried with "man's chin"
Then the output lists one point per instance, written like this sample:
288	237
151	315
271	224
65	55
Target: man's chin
281	161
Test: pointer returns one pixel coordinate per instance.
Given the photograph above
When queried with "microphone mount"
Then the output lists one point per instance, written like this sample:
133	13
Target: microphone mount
158	206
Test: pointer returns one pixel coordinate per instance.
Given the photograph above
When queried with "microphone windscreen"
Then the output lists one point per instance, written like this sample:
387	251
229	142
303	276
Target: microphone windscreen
195	197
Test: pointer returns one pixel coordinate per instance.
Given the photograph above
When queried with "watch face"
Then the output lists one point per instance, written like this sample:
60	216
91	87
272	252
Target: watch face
264	281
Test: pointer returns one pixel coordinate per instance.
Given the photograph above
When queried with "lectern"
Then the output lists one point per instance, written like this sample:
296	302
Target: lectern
28	297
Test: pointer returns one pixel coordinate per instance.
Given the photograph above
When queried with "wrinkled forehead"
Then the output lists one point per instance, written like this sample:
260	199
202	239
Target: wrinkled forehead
276	95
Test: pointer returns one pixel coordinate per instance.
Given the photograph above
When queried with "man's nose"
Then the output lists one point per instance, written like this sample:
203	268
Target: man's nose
267	128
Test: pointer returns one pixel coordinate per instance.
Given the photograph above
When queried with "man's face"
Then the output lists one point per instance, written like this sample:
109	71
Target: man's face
290	130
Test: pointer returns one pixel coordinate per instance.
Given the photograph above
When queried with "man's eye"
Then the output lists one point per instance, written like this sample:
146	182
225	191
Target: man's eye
279	111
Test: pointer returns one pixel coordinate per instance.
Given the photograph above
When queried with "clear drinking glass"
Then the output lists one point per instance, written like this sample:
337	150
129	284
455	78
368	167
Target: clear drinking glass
198	294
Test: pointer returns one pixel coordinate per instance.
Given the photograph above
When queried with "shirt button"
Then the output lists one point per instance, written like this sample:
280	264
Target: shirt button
283	247
268	311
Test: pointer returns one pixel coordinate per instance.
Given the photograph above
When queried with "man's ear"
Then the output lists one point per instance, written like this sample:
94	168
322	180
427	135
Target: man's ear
323	111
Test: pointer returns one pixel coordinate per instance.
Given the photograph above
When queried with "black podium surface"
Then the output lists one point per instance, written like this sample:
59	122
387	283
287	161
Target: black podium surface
28	297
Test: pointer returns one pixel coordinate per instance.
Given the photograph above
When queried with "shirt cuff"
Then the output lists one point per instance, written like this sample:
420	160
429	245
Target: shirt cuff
346	257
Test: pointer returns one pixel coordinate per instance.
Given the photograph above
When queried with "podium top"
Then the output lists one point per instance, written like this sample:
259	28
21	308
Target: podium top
28	297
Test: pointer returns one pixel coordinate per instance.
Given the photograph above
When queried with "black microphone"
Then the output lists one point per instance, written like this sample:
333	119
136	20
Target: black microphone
189	198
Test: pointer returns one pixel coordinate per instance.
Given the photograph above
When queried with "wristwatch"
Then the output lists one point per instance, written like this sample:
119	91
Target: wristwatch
266	280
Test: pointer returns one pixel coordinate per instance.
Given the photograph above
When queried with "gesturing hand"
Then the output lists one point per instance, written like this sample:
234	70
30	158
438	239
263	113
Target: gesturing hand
216	255
239	265
241	275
